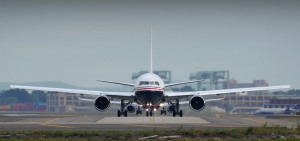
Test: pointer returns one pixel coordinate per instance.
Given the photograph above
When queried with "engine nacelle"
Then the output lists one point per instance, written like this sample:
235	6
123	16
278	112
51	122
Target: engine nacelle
102	103
130	108
170	108
197	103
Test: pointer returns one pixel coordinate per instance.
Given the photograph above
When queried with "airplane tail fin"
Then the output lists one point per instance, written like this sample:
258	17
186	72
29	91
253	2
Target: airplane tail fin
151	67
296	106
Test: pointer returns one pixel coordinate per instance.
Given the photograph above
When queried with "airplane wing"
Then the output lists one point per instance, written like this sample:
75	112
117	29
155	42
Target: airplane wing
173	84
176	95
123	95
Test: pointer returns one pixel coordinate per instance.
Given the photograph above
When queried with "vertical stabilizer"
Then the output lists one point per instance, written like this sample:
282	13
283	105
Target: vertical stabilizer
151	67
296	107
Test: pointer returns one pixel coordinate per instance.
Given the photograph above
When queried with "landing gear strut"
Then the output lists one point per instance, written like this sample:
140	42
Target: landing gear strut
163	111
138	111
122	111
177	111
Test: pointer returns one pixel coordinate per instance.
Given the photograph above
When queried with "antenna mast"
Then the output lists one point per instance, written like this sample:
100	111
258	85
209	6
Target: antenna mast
151	69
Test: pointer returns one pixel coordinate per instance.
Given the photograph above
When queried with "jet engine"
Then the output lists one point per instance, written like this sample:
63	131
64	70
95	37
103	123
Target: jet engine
130	108
102	103
170	108
197	103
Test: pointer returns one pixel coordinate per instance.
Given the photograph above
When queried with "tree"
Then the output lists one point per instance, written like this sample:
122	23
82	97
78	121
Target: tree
38	96
16	96
175	89
186	89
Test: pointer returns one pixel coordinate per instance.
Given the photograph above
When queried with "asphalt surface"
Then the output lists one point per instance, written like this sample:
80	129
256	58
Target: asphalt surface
133	122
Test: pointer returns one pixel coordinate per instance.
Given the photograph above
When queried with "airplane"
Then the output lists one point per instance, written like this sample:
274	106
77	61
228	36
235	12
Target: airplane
149	89
278	110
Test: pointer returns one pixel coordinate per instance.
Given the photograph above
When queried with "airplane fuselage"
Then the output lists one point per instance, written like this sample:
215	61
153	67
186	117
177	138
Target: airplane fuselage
149	89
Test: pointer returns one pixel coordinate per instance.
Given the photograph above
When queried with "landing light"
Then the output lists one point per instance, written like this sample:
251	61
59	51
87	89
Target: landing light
154	109
160	104
146	109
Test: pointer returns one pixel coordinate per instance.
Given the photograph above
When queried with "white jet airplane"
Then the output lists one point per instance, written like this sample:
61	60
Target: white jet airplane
278	110
149	90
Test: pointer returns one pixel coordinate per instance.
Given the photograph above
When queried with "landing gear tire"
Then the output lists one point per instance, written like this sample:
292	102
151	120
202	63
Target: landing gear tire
138	112
147	114
119	113
163	112
151	113
125	113
180	113
174	113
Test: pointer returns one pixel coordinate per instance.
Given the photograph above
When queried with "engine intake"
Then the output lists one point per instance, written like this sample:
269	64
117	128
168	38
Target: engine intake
171	108
102	103
197	103
130	108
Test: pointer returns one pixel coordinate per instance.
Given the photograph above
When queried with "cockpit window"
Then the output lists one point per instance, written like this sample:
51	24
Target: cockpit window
149	83
142	82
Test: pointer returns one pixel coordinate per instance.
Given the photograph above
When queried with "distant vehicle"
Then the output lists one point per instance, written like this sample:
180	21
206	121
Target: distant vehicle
278	110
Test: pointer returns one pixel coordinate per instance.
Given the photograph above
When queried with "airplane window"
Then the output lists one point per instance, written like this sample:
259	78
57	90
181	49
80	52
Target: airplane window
151	83
142	82
146	83
156	83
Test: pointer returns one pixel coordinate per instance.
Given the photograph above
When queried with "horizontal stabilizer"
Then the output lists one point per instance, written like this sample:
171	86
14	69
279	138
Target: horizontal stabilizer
192	81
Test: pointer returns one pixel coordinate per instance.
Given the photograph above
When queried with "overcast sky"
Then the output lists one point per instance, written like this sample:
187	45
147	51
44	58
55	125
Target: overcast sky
79	42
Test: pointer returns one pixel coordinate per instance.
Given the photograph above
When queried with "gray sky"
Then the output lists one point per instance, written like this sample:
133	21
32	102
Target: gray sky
79	42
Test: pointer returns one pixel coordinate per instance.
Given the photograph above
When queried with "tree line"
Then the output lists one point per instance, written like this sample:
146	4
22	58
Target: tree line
289	92
21	96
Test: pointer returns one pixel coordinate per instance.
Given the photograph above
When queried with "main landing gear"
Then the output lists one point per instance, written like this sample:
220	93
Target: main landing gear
122	111
138	111
177	111
163	111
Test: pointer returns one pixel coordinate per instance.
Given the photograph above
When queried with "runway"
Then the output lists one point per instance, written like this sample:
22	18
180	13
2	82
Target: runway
133	122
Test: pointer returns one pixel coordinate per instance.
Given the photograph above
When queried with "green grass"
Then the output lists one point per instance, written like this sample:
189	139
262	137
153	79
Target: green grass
133	139
262	133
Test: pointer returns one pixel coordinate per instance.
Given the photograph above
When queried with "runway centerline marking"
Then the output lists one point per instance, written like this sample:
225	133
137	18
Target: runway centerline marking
52	120
151	119
217	115
52	125
146	125
256	121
